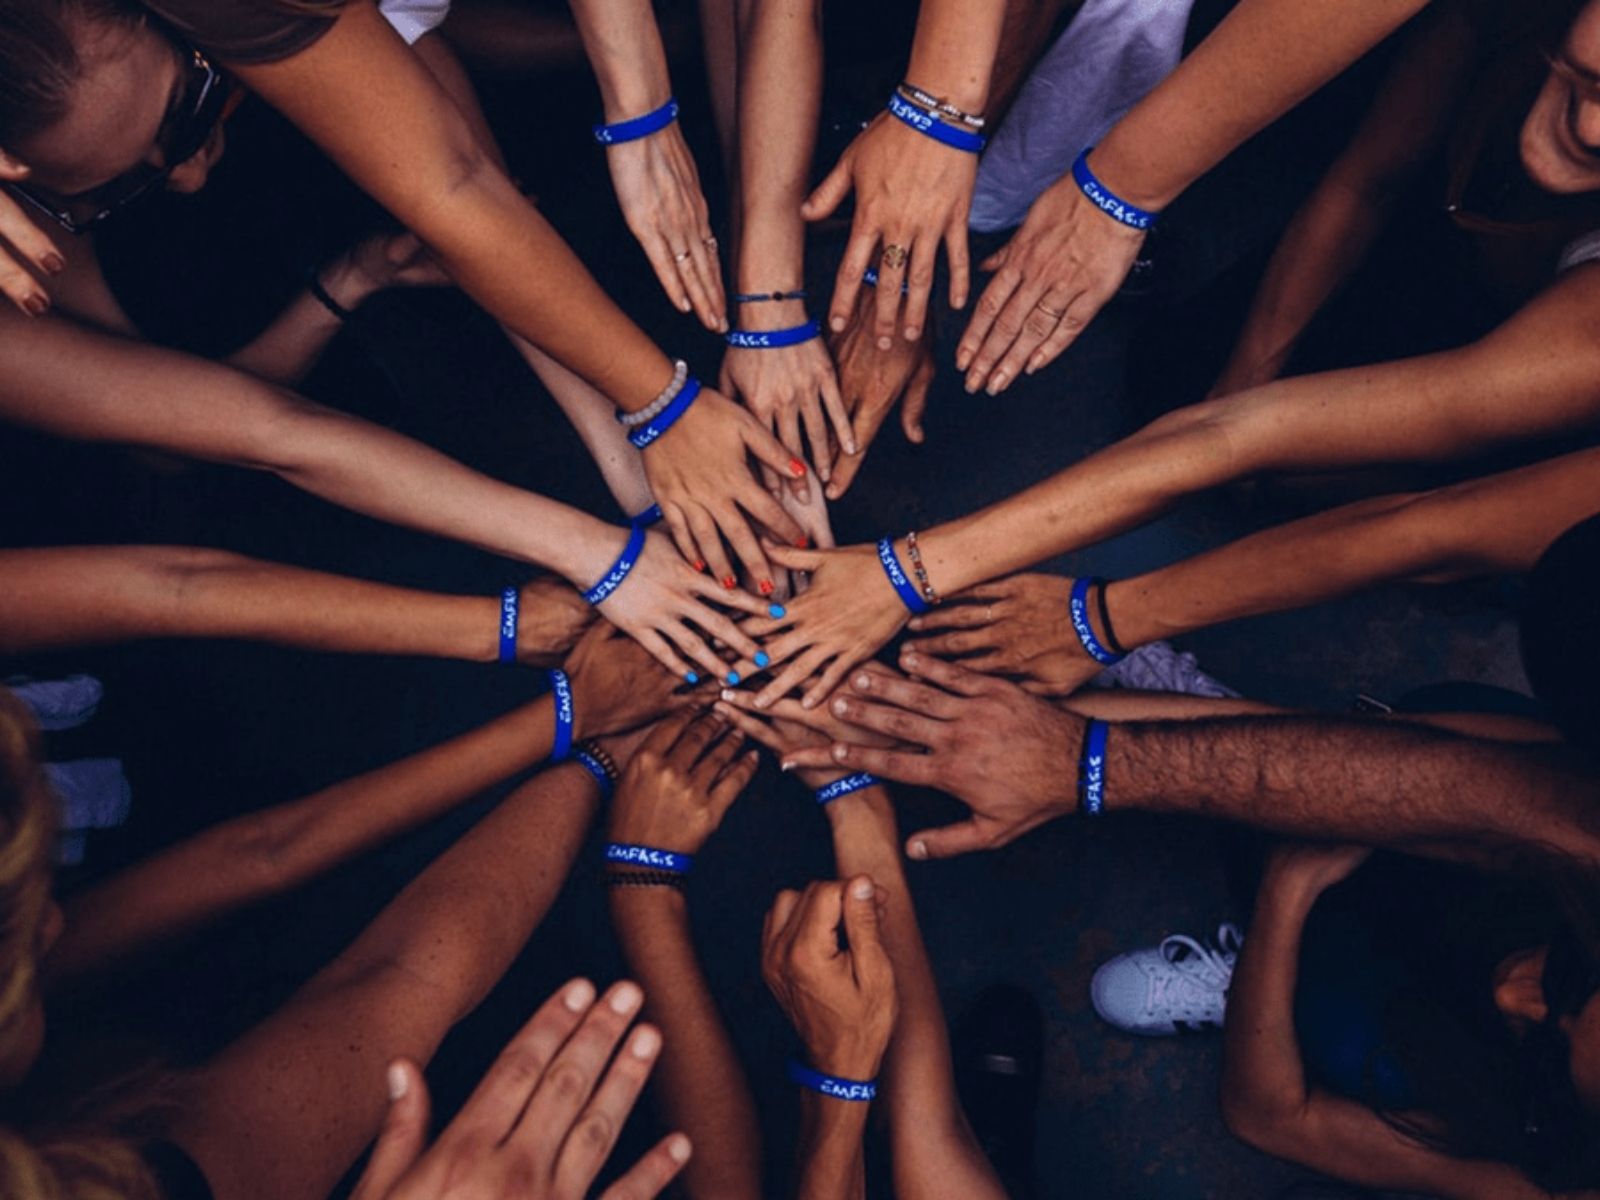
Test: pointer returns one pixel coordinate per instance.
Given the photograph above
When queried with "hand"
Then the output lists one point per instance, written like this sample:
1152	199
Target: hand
812	516
787	389
543	1120
911	192
617	686
1008	756
1017	626
871	381
659	191
380	262
700	475
842	1002
1065	262
26	253
787	727
551	618
665	604
681	783
847	615
1314	866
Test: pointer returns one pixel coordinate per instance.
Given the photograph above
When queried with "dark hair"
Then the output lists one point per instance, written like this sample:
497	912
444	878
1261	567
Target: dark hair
1561	637
39	60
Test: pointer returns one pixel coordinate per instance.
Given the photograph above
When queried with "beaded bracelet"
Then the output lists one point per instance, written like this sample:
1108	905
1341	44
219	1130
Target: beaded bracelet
1106	200
1078	611
637	127
620	569
645	435
833	1086
840	788
897	578
917	569
680	377
1092	769
940	107
510	604
561	690
767	297
598	763
931	126
773	339
642	879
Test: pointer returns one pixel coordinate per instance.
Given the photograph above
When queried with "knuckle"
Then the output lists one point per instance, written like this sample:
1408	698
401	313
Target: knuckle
595	1132
567	1082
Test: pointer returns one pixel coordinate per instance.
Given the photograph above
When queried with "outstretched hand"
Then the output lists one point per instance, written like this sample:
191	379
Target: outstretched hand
617	685
680	784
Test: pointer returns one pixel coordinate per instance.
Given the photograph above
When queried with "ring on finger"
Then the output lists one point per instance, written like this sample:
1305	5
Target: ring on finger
710	240
894	256
681	256
1050	312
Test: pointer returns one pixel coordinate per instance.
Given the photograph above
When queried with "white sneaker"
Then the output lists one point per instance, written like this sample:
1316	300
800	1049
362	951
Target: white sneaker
1180	986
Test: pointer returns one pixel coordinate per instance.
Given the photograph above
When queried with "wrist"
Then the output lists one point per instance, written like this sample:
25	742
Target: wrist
585	558
1131	177
347	284
845	1057
1286	890
772	314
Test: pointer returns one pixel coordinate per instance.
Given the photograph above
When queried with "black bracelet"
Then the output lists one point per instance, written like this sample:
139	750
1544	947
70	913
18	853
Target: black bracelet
327	301
607	763
764	297
1105	621
616	878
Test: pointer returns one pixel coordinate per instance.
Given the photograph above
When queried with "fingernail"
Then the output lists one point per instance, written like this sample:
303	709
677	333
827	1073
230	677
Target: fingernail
699	564
398	1082
971	386
840	708
912	333
796	468
840	753
885	343
850	448
837	324
786	767
579	996
864	682
919	849
727	695
626	999
683	306
863	889
910	658
733	679
802	542
692	678
679	1149
762	658
999	381
765	587
777	610
36	305
915	623
762	702
54	264
730	582
645	1043
722	326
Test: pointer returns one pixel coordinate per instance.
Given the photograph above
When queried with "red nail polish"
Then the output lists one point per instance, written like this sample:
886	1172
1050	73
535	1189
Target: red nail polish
766	587
699	564
803	542
796	468
730	583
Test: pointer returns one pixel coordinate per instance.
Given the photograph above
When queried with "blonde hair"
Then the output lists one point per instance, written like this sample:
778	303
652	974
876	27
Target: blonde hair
82	1168
27	829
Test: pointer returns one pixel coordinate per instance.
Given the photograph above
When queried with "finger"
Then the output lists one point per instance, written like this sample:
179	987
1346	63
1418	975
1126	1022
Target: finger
593	1135
779	916
1081	311
1020	318
810	411
707	665
695	738
967	613
884	687
783	710
830	193
728	633
863	932
948	675
734	780
403	1136
915	405
494	1106
960	641
661	262
683	536
793	675
774	516
891	278
961	838
707	278
838	413
754	728
817	921
990	305
746	545
920	282
831	679
918	770
650	1176
1041	321
857	258
787	427
571	1078
709	542
909	727
703	586
665	735
662	651
769	450
957	255
720	756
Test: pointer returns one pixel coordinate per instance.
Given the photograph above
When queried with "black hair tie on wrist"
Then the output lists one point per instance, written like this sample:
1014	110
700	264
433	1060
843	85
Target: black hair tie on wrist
325	299
1105	621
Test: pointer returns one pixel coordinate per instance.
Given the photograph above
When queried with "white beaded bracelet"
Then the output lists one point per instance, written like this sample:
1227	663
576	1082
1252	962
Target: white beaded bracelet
680	376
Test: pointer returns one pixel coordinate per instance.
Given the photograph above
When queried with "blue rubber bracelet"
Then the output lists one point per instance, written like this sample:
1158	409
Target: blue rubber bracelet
1078	610
1106	200
667	417
774	339
871	280
650	516
638	127
592	765
931	126
909	595
561	690
1092	770
843	787
648	857
862	1091
510	601
613	578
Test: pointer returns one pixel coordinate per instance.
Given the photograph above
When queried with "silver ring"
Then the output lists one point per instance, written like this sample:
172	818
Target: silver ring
710	241
681	257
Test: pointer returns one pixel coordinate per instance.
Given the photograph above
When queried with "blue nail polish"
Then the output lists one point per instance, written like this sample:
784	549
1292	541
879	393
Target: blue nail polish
692	678
775	611
762	659
733	679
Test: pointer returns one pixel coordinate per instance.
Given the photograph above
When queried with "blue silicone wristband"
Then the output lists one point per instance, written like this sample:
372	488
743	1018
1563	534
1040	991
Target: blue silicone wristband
510	602
909	595
843	787
648	858
1092	770
1078	610
667	417
774	339
870	278
1106	200
613	578
861	1091
638	127
931	126
561	691
650	516
592	765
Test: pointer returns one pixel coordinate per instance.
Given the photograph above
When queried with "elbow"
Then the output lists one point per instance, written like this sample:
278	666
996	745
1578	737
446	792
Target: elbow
1259	1119
286	435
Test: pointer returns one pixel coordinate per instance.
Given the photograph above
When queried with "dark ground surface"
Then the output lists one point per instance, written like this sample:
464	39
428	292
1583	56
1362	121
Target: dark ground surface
216	729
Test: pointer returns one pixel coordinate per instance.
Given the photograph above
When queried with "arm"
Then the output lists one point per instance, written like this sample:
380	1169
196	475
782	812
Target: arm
86	596
1333	231
1266	1099
832	1166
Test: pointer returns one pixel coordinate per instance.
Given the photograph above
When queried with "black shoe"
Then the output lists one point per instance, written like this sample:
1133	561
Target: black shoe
998	1047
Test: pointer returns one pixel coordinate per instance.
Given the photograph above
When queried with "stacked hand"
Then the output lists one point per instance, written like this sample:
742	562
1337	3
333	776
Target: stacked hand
543	1121
840	998
552	617
680	784
616	686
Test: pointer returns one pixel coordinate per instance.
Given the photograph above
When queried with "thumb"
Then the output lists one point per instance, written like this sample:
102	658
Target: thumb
996	260
863	931
405	1131
914	405
830	192
948	842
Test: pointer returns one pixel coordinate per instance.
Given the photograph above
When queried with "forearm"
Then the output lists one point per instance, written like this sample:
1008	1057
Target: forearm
830	1161
702	1089
953	52
623	42
97	595
277	849
1265	58
1360	780
285	351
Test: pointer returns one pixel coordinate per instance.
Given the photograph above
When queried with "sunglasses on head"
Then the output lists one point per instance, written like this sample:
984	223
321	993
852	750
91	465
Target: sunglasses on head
201	104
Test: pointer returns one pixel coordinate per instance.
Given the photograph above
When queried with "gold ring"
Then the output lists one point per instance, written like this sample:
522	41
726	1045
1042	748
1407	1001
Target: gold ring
894	257
1050	312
